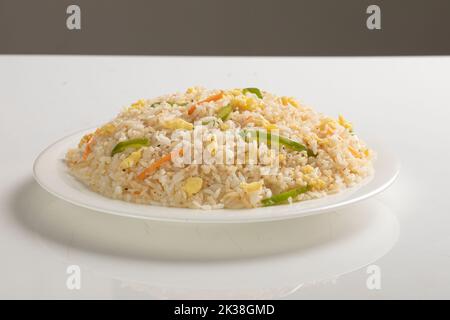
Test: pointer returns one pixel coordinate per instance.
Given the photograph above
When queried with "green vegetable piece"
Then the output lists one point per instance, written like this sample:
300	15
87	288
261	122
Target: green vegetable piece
178	104
284	196
295	145
132	143
267	138
255	91
205	123
225	112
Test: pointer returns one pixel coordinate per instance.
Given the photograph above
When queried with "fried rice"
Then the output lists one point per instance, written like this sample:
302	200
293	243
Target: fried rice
211	149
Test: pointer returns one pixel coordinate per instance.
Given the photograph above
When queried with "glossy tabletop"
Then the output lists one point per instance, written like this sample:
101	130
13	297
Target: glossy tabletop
395	245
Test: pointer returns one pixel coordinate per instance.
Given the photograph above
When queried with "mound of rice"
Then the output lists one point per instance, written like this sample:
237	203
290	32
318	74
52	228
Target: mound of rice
148	166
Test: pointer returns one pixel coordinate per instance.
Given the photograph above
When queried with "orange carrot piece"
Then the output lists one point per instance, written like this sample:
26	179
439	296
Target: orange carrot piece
88	149
209	99
192	109
213	97
156	165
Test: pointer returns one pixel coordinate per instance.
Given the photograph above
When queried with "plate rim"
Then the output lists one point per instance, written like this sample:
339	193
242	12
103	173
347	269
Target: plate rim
215	215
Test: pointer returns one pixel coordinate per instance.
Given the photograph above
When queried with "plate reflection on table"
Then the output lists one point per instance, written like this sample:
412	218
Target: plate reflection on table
163	260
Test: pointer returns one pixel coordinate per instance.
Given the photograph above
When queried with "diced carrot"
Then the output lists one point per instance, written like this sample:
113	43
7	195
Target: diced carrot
213	97
209	99
88	149
192	109
156	165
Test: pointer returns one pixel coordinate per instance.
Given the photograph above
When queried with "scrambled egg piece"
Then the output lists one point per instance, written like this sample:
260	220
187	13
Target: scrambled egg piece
366	152
138	104
235	92
328	125
238	103
242	102
252	104
261	121
354	152
307	169
317	184
251	187
193	185
345	123
106	130
288	100
195	90
178	123
131	160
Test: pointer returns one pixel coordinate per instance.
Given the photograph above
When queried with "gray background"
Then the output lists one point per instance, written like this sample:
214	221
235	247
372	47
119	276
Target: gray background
231	27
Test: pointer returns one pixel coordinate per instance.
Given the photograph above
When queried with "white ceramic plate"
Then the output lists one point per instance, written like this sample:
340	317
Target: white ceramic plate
51	173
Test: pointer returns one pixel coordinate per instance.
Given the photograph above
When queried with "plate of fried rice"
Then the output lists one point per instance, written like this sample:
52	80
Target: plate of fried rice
222	155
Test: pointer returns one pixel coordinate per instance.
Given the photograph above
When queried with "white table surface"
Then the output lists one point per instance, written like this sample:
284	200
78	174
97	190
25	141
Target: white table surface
405	231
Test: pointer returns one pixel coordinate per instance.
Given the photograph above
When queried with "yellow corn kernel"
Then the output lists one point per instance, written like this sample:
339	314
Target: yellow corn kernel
178	123
345	123
131	160
193	185
251	187
354	152
307	169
